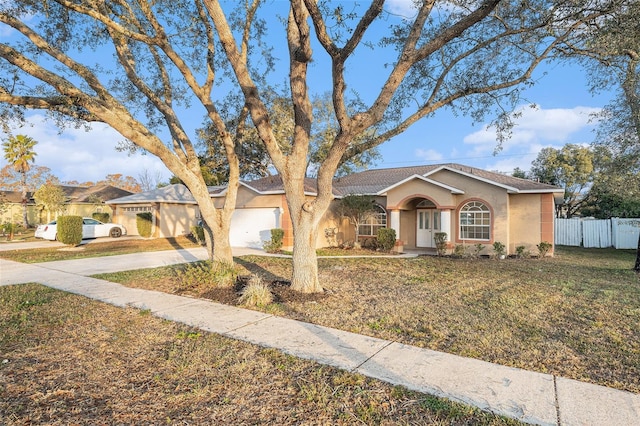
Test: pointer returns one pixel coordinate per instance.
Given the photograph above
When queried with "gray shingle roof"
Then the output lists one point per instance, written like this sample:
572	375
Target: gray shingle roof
176	193
377	180
274	184
75	194
102	192
369	182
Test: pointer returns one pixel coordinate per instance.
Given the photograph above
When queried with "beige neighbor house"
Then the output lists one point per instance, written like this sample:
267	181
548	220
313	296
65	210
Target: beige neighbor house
471	205
80	201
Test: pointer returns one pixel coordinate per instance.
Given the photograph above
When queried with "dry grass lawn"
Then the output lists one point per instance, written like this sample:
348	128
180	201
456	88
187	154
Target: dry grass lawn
68	360
576	315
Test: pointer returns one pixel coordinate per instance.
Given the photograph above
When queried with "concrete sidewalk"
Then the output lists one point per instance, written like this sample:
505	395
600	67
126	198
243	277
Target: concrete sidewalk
527	396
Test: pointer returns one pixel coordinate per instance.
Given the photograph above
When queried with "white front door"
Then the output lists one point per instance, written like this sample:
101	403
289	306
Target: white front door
428	223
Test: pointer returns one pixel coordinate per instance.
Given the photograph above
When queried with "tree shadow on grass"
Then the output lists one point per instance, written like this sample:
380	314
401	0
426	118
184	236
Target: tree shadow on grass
258	270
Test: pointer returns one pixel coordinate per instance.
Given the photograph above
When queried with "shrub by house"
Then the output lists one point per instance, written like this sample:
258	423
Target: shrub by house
144	223
69	230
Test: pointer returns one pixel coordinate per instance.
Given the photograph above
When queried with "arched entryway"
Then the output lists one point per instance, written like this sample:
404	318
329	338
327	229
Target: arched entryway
417	219
428	223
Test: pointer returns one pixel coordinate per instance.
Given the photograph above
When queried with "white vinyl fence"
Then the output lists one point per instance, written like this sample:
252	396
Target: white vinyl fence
618	233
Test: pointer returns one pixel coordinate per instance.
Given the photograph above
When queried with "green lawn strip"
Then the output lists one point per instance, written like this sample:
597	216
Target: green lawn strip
576	315
67	359
21	236
97	249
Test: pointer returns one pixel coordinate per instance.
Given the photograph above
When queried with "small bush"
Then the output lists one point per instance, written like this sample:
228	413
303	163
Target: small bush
102	217
499	249
347	245
69	230
194	275
256	293
331	234
441	242
386	239
459	250
224	274
477	249
522	252
544	248
370	243
198	233
9	229
274	245
144	223
207	274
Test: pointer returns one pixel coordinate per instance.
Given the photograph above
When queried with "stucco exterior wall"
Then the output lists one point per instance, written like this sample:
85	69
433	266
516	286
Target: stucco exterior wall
331	220
13	214
248	199
346	230
397	197
174	220
524	221
169	220
495	197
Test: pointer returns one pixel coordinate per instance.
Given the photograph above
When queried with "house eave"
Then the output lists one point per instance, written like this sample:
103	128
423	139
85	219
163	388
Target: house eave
452	189
509	189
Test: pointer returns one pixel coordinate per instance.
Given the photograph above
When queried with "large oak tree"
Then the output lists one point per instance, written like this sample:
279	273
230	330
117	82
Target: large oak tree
138	66
470	56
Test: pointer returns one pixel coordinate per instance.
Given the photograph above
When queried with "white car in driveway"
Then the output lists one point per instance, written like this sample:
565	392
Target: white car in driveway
91	228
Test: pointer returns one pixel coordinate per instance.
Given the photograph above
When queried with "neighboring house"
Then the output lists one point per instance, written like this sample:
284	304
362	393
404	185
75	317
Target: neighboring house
173	208
81	201
471	205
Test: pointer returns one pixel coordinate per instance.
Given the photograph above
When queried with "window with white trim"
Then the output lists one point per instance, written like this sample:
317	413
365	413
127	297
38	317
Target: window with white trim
475	221
373	223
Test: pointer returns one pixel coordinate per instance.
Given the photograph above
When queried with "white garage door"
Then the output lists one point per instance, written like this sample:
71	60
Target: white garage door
251	227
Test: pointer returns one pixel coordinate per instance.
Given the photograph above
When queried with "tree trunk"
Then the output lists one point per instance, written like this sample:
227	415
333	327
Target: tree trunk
305	262
25	216
217	221
356	241
222	248
208	239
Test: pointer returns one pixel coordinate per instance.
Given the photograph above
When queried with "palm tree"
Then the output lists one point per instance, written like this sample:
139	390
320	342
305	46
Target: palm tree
18	151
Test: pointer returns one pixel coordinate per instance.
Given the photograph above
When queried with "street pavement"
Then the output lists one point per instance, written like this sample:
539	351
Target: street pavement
531	397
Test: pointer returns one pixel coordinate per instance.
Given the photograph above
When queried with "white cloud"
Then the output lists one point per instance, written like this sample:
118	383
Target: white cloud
536	126
428	154
78	155
404	8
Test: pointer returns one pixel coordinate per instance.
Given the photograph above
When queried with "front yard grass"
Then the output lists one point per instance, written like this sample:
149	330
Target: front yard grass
576	315
65	359
101	247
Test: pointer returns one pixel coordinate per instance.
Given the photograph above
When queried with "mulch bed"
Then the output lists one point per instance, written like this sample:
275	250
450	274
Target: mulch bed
281	290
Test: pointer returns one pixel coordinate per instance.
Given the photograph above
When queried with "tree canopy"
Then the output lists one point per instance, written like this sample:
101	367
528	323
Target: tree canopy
51	197
357	209
570	167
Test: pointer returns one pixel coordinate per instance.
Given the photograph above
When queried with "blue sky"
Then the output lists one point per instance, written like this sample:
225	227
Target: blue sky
562	116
